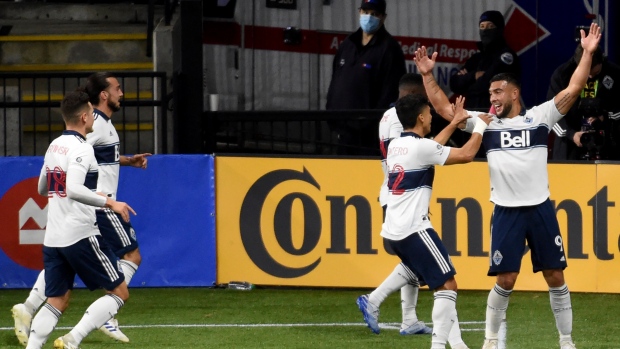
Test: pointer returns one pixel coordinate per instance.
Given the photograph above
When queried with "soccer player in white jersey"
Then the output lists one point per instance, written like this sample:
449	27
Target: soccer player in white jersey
72	242
105	94
407	226
516	148
401	277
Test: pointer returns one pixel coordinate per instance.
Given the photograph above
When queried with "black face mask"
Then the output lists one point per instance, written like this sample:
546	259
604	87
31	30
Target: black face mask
487	36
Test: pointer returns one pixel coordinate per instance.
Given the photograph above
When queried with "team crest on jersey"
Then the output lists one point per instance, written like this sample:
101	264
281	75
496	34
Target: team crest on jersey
608	82
507	58
497	257
78	159
528	120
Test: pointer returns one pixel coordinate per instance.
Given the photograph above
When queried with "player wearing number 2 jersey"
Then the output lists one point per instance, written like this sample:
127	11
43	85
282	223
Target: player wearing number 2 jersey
410	161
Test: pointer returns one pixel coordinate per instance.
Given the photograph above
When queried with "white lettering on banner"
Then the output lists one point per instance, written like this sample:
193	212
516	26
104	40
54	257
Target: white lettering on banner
516	141
443	51
335	43
461	53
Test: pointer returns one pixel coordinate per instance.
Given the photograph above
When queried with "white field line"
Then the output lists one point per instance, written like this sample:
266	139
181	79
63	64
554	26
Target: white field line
389	326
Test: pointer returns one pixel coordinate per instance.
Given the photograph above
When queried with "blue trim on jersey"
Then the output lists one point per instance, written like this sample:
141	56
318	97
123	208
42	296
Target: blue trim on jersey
511	139
100	113
73	133
106	154
412	134
56	182
91	180
411	180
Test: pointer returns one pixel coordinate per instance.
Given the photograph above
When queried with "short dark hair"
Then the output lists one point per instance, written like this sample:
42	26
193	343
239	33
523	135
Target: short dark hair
73	105
411	79
508	77
597	56
96	83
408	108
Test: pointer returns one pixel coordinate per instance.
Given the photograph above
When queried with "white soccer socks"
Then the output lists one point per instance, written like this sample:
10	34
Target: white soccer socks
559	297
444	315
497	303
100	311
37	294
129	269
397	279
42	325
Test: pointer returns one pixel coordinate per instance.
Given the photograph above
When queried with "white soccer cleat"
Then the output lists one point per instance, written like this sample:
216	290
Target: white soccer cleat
64	343
22	318
418	327
490	344
111	329
567	345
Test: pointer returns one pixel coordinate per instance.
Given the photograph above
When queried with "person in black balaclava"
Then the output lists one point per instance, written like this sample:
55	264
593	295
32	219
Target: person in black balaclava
495	57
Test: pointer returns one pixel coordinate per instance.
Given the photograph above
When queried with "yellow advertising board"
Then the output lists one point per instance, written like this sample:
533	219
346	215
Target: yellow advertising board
316	222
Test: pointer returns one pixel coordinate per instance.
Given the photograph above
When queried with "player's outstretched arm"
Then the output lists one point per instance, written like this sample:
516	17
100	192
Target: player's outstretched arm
137	160
460	118
468	151
435	94
567	97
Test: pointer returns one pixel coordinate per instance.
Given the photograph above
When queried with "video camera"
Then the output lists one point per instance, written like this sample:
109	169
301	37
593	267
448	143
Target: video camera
593	126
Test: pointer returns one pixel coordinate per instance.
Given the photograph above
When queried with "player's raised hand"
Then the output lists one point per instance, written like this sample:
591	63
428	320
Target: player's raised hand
460	114
590	42
423	62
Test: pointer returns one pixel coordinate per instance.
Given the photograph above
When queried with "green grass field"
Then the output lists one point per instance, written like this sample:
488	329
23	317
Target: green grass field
315	318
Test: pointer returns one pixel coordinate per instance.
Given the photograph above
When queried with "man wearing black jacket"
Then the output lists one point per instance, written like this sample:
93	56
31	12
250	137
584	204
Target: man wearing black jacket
495	57
365	75
596	113
368	65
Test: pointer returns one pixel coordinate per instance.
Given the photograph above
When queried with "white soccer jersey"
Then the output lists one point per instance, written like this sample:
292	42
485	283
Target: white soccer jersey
68	221
105	141
411	161
389	128
516	151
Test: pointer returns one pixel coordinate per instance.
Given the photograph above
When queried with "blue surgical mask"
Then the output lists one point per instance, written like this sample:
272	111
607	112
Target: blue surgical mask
369	23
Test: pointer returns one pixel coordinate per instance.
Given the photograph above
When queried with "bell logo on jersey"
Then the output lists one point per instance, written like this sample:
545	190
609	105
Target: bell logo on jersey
508	140
23	213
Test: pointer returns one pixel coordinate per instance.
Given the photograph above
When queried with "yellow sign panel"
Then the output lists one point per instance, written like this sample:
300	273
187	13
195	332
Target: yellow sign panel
316	222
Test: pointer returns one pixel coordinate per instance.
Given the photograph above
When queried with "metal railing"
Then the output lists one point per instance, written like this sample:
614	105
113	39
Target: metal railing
344	132
30	111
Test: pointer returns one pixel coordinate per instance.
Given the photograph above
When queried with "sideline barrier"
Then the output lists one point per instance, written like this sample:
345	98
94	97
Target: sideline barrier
174	199
316	222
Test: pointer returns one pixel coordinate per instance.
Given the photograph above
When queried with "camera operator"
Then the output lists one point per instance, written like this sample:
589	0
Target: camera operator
591	129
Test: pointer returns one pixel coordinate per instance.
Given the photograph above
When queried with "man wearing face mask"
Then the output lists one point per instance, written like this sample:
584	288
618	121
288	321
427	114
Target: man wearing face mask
494	57
368	65
365	75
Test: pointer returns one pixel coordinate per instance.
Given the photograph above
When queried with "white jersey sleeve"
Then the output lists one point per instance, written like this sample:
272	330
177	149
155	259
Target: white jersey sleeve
389	128
81	162
432	153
